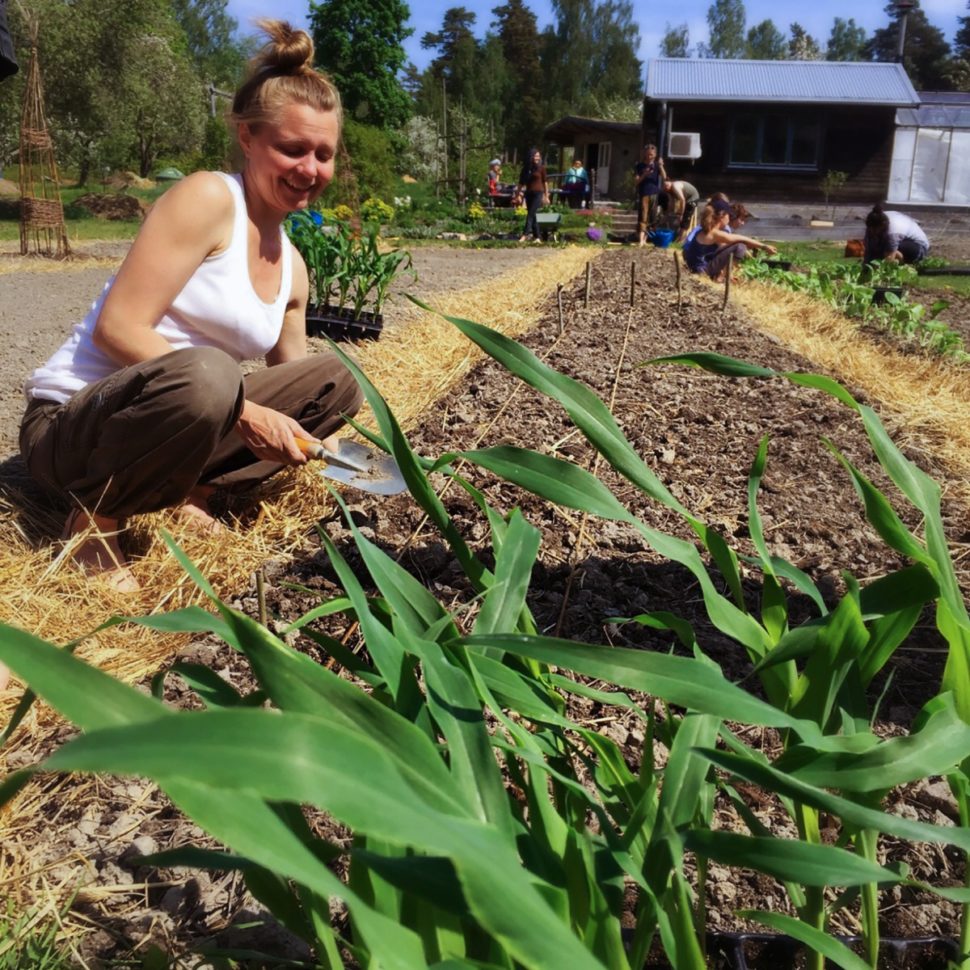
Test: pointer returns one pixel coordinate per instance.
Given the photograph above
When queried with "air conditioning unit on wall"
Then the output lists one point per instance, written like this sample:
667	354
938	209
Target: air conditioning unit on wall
684	144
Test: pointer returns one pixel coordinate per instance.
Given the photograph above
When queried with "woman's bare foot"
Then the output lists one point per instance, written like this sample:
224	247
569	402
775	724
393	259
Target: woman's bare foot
194	512
94	546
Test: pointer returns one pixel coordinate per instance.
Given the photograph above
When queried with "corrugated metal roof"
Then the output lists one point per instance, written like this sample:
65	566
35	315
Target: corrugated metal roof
818	82
934	116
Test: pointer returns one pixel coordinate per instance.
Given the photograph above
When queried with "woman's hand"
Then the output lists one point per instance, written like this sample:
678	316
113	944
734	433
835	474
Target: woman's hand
270	435
769	249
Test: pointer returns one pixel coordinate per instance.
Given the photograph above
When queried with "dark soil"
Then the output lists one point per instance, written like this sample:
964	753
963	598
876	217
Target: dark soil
699	434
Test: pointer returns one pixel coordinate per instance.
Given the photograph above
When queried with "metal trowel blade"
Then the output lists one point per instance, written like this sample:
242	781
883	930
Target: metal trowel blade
361	467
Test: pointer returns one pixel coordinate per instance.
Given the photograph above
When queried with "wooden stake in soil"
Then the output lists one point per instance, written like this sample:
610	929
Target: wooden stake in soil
261	596
727	281
589	274
680	300
559	302
633	283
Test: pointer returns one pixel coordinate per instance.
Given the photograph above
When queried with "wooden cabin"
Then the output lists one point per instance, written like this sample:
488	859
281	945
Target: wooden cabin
771	130
609	150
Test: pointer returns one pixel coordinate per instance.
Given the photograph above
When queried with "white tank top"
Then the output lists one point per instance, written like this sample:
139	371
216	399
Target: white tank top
217	307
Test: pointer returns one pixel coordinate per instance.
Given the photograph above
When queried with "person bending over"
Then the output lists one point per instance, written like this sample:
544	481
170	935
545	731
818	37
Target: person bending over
710	248
893	236
144	407
684	198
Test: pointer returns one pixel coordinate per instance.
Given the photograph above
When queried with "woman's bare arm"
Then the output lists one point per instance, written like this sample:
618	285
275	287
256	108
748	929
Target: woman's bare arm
190	222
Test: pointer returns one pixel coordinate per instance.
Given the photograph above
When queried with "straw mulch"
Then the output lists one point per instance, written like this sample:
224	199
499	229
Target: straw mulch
42	592
924	397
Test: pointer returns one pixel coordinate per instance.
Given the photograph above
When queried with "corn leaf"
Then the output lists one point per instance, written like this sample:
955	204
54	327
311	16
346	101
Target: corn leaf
789	859
294	758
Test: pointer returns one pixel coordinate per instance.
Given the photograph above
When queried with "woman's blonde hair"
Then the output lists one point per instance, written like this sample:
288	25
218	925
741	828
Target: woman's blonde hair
709	218
282	73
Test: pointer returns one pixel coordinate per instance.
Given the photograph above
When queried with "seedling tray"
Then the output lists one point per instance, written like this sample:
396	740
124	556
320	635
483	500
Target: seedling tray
341	325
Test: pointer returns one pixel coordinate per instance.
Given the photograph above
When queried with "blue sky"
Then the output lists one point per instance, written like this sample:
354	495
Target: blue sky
816	17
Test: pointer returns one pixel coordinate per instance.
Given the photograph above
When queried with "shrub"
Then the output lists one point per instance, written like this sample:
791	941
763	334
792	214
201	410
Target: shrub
376	210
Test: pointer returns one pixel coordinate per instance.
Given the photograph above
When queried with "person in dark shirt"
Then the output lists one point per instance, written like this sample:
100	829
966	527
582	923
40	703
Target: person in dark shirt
535	190
649	174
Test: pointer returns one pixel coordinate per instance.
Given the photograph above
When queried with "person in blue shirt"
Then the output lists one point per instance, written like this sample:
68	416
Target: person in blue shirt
709	249
575	184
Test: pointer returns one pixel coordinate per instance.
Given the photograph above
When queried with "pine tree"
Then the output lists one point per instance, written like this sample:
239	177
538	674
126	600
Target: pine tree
519	37
926	54
847	41
766	42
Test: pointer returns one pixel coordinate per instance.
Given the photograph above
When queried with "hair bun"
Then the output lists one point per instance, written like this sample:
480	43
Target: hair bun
289	50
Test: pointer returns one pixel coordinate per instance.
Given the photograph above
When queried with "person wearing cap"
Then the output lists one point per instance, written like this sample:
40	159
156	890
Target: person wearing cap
709	250
494	173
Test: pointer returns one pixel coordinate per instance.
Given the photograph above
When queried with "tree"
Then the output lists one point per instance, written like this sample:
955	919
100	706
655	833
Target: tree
359	44
802	46
452	41
926	54
847	41
961	42
766	42
725	20
589	55
675	41
516	28
209	34
122	90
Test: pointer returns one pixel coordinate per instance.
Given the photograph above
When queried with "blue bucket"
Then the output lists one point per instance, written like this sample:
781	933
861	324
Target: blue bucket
661	238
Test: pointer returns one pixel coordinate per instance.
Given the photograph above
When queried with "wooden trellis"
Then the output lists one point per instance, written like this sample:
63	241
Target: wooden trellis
42	228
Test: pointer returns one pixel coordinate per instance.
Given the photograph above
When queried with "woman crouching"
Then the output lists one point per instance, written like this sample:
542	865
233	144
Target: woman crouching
710	248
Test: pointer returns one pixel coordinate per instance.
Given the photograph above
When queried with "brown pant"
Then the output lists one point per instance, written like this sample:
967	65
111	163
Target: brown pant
646	212
142	438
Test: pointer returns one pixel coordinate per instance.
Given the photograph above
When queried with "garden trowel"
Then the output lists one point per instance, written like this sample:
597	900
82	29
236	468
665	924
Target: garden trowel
357	465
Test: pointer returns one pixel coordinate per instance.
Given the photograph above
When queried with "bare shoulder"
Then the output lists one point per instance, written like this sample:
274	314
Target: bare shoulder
202	191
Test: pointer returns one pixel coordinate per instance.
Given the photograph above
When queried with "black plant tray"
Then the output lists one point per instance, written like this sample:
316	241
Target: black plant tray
778	263
879	293
770	951
943	270
342	325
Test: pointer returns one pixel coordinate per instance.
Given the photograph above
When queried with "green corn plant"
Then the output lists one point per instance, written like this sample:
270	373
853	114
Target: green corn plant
489	828
833	700
322	248
374	271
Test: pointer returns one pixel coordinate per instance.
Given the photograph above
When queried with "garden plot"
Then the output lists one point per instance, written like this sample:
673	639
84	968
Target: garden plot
699	434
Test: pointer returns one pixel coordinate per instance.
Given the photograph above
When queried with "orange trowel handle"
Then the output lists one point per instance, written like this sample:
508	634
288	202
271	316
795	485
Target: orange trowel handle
312	449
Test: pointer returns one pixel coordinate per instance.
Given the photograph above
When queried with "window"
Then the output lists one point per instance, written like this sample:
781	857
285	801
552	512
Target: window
773	141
